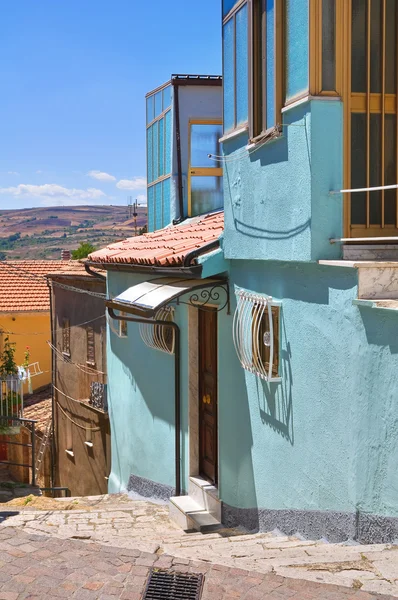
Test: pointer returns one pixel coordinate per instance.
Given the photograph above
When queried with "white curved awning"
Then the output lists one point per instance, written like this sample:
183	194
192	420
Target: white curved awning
145	299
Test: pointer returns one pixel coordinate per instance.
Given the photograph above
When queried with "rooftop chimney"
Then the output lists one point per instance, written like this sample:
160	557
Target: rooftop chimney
65	255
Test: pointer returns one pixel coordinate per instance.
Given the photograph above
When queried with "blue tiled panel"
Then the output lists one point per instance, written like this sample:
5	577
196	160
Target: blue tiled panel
155	154
161	147
229	92
149	146
158	206
297	42
227	5
149	109
166	202
167	97
242	91
151	209
158	104
167	143
270	37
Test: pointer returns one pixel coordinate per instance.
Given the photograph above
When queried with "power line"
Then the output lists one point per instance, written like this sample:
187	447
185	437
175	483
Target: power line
85	369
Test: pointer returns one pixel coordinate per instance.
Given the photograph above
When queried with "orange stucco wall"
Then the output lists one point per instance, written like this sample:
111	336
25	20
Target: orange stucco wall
33	330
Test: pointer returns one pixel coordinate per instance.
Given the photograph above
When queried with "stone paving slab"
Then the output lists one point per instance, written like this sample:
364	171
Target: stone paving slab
119	522
33	567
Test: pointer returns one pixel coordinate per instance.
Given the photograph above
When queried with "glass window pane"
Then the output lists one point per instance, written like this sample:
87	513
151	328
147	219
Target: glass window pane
229	77
375	168
242	67
166	202
227	5
390	169
158	206
204	141
376	46
296	47
167	97
358	167
149	146
158	104
391	46
161	147
358	50
206	194
329	45
167	143
151	209
270	42
155	152
150	109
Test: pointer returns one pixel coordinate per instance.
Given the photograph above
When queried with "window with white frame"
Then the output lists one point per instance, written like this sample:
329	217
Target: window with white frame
256	334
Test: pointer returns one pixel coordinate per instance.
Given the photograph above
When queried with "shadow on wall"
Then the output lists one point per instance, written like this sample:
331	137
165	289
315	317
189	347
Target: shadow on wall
380	327
271	152
275	400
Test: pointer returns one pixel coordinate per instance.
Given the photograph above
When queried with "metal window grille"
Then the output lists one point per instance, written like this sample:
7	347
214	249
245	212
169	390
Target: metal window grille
66	336
90	345
160	337
123	331
98	395
256	334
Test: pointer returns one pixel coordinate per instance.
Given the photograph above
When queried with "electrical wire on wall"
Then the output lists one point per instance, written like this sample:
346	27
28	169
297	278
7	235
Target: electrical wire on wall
46	332
84	368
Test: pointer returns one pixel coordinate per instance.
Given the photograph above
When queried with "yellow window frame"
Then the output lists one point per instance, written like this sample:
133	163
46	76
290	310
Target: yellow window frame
200	171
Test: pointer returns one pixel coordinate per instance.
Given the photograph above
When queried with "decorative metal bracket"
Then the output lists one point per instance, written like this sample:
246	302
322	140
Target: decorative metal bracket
210	298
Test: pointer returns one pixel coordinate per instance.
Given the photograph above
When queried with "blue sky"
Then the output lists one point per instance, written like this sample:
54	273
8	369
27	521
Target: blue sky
74	74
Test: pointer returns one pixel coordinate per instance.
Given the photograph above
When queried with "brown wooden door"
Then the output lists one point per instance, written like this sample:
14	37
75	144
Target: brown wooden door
208	434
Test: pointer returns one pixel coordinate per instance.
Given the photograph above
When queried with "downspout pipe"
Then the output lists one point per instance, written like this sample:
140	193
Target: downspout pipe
94	273
179	161
53	367
190	256
177	382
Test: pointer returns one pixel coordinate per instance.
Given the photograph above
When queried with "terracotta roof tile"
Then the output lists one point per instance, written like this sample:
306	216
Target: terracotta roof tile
23	284
166	247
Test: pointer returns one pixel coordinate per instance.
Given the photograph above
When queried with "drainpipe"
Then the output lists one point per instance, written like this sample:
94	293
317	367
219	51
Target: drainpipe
53	367
190	256
177	383
94	273
179	162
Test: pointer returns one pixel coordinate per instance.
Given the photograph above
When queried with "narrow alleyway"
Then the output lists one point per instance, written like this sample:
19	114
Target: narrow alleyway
103	547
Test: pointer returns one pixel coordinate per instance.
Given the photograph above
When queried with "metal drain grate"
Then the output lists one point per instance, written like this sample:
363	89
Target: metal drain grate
167	585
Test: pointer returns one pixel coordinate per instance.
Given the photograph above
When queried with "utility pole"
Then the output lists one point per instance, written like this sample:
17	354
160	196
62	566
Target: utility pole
135	217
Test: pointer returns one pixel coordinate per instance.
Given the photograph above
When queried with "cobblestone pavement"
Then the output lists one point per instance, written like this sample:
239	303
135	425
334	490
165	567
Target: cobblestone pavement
33	567
116	525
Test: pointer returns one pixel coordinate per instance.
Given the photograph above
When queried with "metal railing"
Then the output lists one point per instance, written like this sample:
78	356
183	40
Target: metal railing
11	397
21	421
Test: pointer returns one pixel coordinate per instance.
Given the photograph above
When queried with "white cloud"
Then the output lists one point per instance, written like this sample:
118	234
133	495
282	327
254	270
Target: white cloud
137	183
39	172
12	173
101	176
54	193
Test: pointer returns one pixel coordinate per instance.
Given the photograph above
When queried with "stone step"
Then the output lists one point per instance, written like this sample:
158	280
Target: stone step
206	495
188	514
370	252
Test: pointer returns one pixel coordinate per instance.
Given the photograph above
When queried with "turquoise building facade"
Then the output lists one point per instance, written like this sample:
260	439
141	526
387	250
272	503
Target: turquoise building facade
305	352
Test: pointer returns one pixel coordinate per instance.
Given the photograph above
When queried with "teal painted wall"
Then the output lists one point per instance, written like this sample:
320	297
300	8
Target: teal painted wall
326	437
141	401
276	199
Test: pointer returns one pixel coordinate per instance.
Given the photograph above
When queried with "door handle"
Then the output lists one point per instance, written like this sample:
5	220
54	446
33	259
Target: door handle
206	399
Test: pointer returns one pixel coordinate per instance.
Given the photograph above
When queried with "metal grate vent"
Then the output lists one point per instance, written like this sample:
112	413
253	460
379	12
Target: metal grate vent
167	585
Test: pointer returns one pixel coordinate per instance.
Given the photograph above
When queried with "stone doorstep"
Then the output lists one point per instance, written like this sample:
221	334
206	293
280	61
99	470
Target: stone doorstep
200	510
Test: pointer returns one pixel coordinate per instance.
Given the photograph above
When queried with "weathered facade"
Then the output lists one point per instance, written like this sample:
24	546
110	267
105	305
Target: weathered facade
81	422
